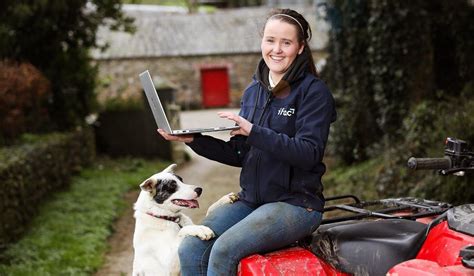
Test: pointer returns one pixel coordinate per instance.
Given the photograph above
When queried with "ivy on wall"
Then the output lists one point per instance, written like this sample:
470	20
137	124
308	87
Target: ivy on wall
347	74
402	76
386	57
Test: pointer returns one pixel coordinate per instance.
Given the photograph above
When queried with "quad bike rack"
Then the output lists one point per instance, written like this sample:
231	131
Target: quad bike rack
396	208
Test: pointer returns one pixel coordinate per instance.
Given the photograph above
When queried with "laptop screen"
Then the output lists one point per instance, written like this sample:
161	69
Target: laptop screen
154	101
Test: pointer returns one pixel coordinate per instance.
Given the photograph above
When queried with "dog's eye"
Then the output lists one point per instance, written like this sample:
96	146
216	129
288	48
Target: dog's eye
165	190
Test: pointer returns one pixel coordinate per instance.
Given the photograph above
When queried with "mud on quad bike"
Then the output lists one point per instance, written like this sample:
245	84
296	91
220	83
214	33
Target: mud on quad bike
395	236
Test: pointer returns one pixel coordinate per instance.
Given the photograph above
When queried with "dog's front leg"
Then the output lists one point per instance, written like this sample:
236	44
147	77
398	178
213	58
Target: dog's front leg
228	198
185	220
200	231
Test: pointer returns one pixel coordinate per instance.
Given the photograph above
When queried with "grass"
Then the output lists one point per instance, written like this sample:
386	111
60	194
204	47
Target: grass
358	179
69	236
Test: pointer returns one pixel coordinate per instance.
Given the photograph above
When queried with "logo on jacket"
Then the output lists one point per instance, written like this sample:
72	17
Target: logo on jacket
284	112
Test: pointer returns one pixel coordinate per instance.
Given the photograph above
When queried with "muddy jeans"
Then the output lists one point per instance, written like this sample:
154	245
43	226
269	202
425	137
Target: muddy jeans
242	231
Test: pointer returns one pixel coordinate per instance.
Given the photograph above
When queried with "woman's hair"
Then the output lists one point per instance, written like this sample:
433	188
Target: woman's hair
302	26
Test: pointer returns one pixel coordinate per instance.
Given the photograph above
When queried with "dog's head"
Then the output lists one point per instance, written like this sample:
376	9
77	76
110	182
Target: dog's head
168	191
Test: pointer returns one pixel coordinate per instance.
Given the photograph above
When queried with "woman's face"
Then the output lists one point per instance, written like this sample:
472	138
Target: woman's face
280	46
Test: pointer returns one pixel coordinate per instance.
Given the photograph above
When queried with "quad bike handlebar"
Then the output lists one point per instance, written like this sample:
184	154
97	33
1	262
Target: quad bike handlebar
458	159
429	163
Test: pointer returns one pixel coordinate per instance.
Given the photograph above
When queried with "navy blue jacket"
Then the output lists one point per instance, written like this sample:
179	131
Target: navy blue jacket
281	159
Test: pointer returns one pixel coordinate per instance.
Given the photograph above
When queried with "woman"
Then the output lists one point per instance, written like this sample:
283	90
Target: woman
284	123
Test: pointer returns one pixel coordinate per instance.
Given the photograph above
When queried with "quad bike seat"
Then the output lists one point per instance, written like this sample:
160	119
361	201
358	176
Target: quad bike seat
368	247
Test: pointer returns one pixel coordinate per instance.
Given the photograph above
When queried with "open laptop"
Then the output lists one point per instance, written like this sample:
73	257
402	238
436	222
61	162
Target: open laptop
159	112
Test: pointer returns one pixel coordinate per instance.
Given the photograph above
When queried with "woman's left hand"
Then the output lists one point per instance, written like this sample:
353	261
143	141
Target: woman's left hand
245	126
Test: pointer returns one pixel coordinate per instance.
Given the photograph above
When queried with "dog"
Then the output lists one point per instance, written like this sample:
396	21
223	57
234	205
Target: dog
159	224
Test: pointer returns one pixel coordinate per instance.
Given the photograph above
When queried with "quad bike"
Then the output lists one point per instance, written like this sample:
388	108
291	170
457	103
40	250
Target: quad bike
396	236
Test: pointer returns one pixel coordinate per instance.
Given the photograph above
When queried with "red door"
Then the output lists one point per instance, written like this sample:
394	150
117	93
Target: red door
215	86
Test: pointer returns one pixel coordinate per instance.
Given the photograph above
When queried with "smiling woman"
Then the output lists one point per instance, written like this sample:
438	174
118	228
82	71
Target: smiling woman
284	121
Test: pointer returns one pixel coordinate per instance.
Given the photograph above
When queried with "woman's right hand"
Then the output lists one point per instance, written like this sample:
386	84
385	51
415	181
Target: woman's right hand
176	138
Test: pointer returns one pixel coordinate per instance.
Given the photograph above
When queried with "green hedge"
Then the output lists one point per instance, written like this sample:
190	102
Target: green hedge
29	172
69	235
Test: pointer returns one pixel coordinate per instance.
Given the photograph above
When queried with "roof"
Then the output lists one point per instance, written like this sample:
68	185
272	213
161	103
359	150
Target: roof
161	32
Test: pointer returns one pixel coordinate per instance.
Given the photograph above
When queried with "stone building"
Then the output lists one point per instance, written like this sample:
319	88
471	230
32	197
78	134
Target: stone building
185	49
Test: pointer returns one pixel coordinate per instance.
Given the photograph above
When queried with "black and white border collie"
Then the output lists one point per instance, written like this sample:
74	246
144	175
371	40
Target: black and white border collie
160	226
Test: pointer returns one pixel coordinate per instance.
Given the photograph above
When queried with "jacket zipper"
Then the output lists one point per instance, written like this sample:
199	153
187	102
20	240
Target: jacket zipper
257	190
257	169
267	102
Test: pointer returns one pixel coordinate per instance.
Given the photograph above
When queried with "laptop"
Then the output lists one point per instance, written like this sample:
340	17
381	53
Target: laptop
159	112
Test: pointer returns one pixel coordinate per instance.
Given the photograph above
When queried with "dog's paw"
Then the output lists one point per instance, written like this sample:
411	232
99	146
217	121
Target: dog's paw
200	231
227	199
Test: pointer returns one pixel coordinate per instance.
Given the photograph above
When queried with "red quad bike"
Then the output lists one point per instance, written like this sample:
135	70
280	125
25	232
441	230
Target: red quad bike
395	236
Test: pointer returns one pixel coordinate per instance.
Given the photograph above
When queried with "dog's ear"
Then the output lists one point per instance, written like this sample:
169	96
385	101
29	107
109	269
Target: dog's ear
148	185
170	168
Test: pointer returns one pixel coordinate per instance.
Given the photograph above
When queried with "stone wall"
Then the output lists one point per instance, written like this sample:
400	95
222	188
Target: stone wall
119	77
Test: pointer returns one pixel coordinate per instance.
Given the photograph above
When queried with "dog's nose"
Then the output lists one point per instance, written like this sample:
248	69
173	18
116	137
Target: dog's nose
198	191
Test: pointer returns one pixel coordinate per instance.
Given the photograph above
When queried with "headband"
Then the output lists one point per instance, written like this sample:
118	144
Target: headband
289	16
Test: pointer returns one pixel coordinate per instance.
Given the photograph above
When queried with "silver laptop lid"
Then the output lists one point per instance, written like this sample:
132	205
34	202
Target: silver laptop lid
154	101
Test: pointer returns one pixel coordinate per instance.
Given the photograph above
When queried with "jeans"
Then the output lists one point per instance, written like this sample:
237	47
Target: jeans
241	231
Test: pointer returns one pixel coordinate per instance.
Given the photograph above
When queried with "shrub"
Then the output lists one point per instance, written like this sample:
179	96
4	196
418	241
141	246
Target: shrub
56	36
24	92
